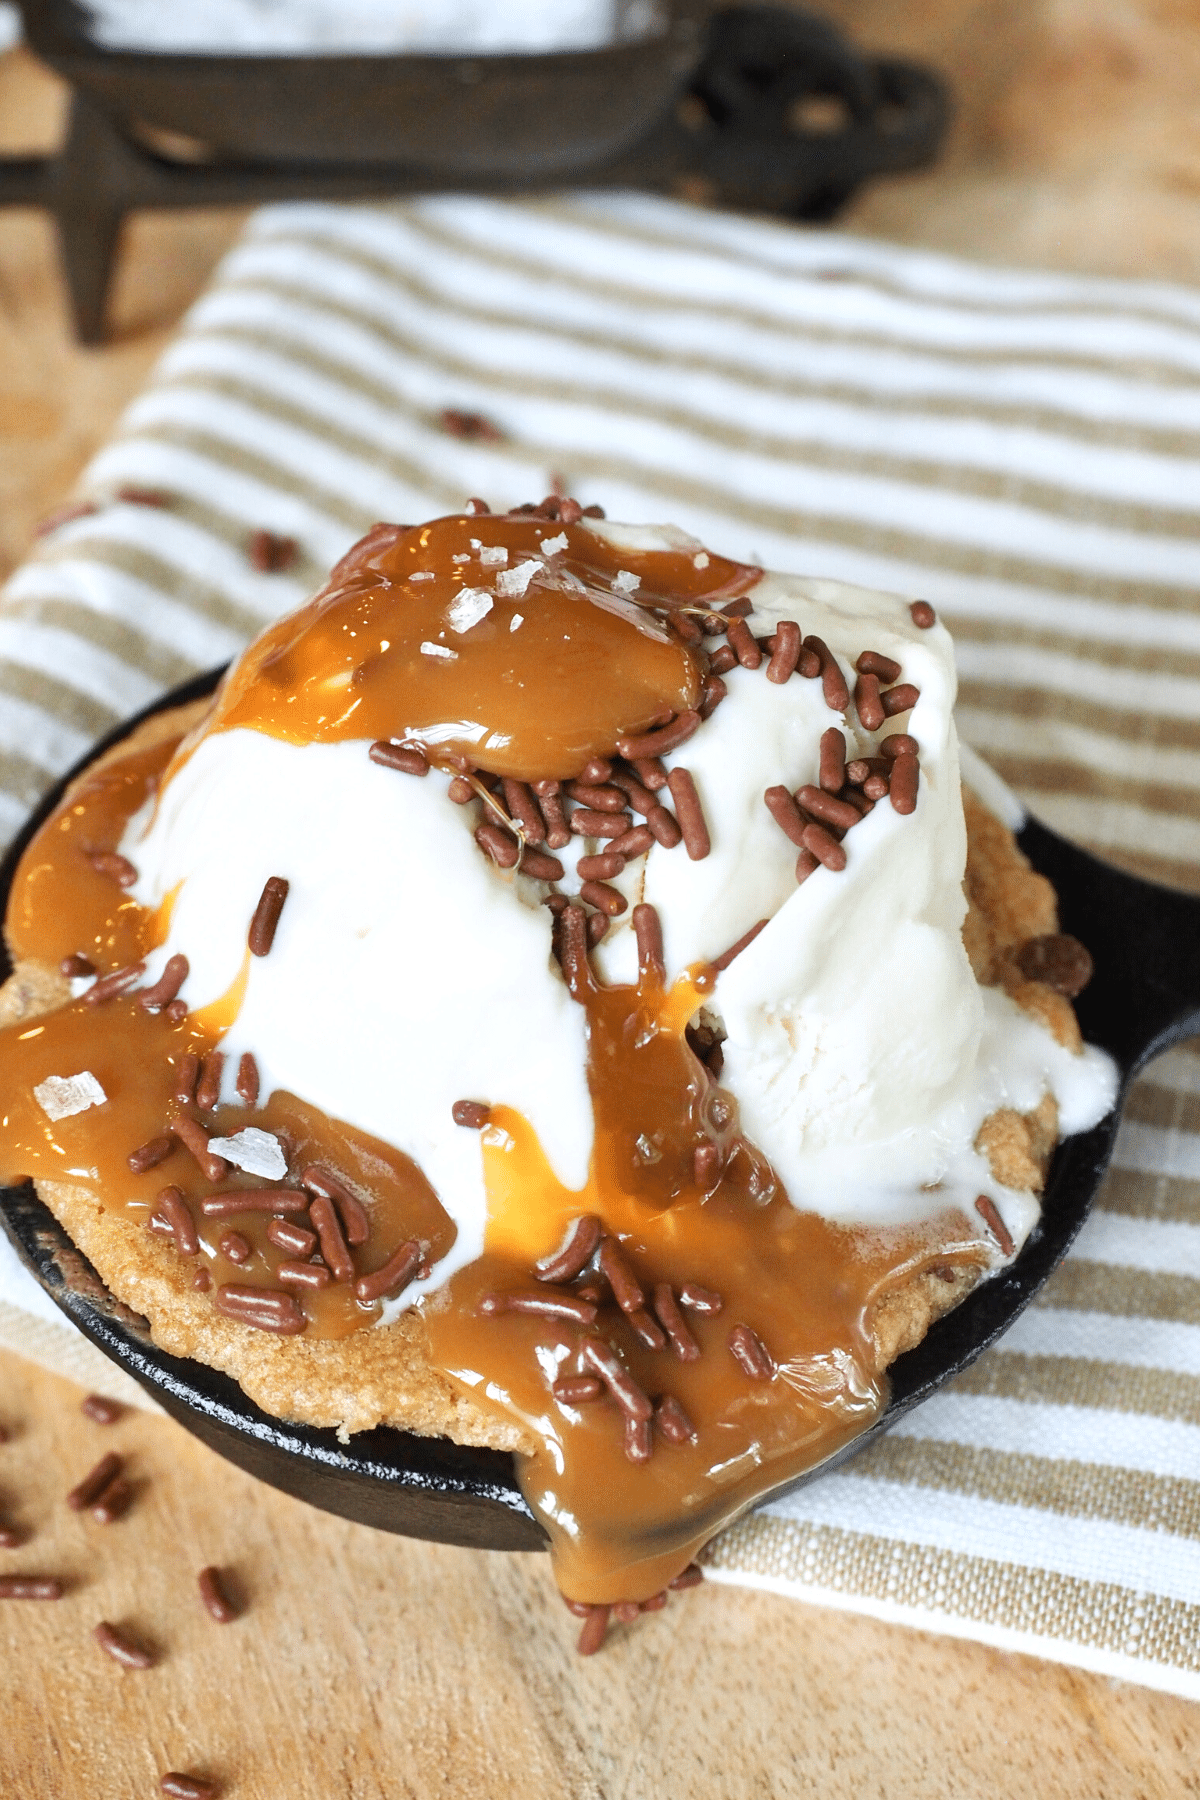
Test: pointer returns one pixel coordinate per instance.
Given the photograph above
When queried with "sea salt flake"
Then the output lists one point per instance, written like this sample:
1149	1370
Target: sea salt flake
255	1151
423	575
700	560
513	582
61	1096
626	582
493	556
428	649
551	545
517	619
464	557
467	608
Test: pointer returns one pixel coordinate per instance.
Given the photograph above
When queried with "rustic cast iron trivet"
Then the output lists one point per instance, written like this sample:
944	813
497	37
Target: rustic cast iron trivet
749	106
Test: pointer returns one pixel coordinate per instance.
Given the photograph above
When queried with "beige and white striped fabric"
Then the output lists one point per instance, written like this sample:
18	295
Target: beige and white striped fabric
1022	449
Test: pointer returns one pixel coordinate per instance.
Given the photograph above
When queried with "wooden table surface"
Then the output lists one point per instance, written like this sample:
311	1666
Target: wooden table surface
366	1666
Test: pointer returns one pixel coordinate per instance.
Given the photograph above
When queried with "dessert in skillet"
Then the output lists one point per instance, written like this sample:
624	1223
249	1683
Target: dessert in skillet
537	1001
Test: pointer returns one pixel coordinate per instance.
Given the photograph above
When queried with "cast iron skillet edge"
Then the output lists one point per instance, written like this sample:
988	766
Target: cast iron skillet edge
1144	997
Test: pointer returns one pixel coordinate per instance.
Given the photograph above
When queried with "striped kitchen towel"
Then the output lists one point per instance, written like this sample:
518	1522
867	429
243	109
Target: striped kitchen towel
1022	449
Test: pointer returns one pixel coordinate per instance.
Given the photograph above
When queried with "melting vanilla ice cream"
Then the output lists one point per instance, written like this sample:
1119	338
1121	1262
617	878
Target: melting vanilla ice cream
409	970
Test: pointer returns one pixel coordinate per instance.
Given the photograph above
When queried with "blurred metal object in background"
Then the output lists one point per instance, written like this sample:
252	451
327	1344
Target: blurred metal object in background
756	107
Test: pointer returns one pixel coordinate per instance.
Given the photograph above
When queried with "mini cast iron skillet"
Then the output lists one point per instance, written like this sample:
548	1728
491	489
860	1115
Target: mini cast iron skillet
1144	997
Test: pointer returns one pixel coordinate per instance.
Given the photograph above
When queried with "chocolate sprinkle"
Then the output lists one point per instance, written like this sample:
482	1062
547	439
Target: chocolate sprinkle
871	662
101	1410
543	1305
174	1210
785	653
208	1088
149	1155
646	1329
674	1324
922	614
89	1490
594	1630
572	951
751	1354
692	1576
113	864
216	1601
647	929
355	1223
574	1253
285	1234
899	699
673	1422
621	1279
123	1649
271	554
186	1077
833	682
657	743
900	743
187	1787
867	700
247	1079
639	1443
175	973
471	1113
577	1390
787	815
265	922
334	1248
311	1275
825	848
30	1587
690	814
832	774
265	1309
906	773
495	842
393	1277
699	1299
629	1396
113	1503
742	643
989	1213
119	982
664	827
238	1200
609	900
726	957
406	758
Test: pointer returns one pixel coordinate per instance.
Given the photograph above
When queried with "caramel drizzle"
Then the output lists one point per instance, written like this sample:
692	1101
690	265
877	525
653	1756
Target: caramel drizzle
582	1340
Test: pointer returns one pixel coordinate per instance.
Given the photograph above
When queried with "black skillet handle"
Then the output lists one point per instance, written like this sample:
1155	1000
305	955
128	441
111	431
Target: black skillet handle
1145	939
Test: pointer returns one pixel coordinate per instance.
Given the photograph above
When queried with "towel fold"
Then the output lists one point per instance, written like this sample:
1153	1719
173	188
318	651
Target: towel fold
1021	449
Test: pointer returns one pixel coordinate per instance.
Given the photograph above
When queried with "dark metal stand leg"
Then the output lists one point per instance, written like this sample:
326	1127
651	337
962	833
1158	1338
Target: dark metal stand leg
744	150
90	192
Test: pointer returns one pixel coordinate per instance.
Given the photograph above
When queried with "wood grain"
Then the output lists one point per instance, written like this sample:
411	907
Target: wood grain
369	1667
366	1666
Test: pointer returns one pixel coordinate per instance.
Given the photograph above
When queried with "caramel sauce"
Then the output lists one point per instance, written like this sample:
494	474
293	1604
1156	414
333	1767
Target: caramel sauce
60	905
546	680
806	1287
135	1058
535	702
